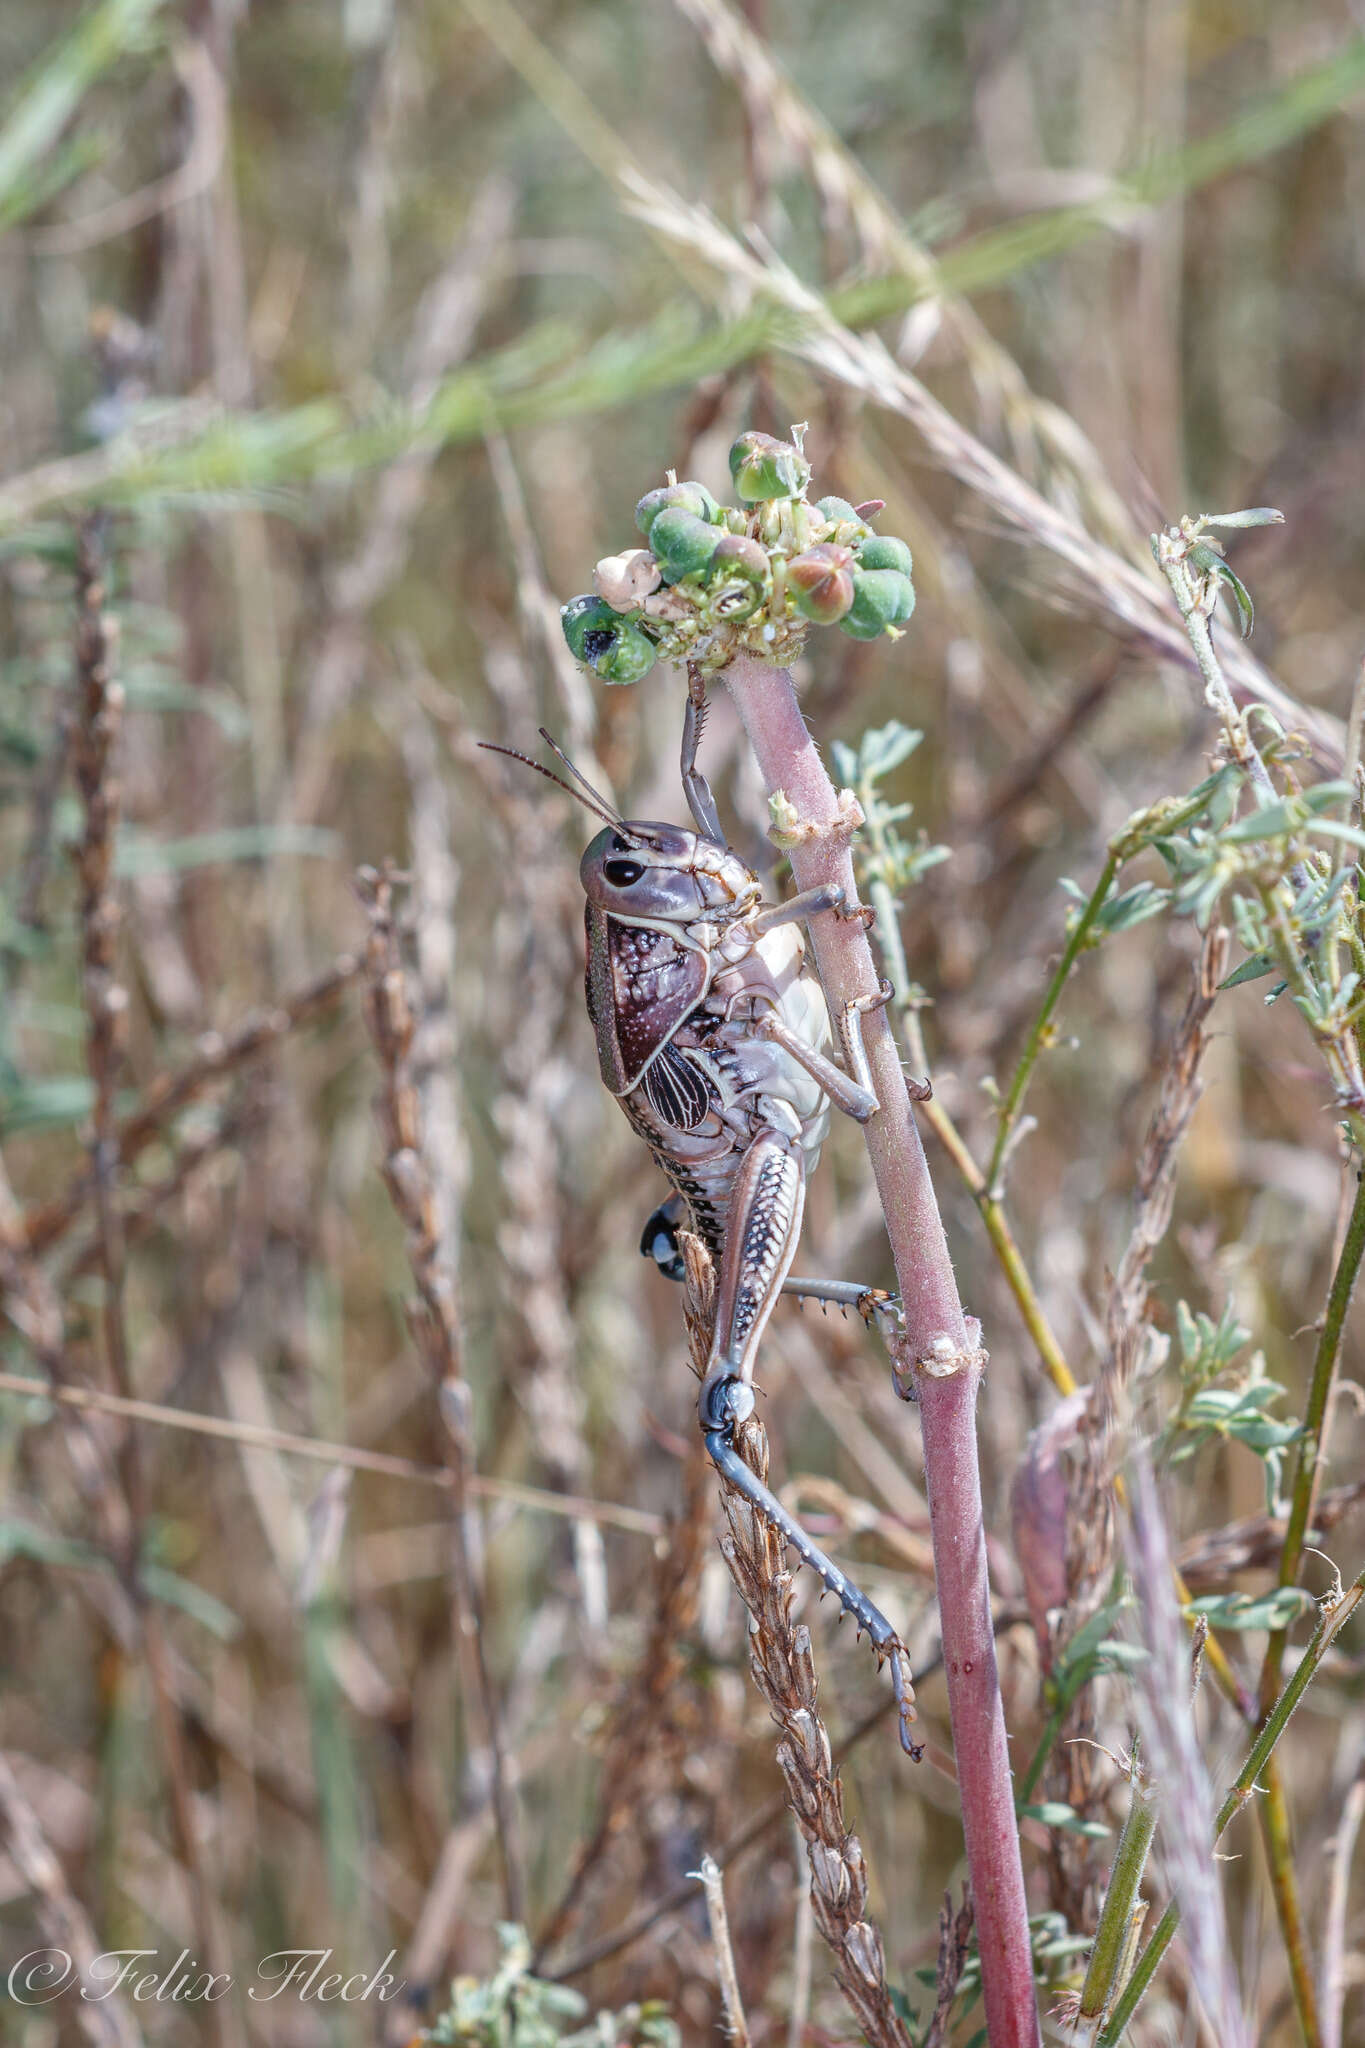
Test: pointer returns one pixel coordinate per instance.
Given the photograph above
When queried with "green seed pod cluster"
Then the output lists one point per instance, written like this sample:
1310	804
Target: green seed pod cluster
713	580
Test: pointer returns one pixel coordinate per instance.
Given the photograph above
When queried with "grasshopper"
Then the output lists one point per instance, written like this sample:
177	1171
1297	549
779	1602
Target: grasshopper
715	1041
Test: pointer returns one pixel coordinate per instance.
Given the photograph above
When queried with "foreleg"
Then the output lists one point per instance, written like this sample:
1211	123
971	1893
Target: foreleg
851	1091
700	799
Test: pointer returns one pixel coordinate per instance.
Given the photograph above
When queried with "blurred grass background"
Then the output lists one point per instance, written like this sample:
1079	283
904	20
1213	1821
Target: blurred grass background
350	309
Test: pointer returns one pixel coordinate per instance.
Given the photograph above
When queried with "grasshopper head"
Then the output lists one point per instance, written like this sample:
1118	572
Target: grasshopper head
639	870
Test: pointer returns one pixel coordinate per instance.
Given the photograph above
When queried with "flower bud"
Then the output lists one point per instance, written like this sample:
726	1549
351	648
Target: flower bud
682	543
884	551
630	656
739	577
625	580
586	620
881	598
821	583
690	497
765	468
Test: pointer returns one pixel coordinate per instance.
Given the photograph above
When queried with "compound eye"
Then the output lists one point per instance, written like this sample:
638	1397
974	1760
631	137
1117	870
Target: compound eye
622	874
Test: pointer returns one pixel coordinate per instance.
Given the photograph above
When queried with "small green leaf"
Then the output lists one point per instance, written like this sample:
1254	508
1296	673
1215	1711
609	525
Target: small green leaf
1251	969
138	855
1054	1813
51	1105
1258	515
1246	609
1243	1611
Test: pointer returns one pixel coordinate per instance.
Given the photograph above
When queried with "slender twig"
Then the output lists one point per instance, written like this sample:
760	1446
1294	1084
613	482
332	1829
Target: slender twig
954	1946
255	1437
935	1356
435	1323
1077	939
1334	1612
1311	1453
718	1920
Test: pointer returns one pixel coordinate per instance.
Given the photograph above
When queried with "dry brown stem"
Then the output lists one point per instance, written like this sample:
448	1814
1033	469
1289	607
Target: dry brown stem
434	1319
954	1943
783	1669
98	718
1102	1429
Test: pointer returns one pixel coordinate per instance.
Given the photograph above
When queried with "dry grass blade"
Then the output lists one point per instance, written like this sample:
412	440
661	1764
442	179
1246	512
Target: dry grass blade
1048	442
783	1669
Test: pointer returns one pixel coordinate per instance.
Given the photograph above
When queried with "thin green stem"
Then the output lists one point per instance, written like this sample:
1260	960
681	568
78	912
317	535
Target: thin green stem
1114	1933
1075	945
1308	1466
1331	1620
1273	1814
1028	1784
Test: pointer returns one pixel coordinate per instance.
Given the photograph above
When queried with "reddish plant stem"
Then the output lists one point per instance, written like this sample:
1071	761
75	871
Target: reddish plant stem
936	1358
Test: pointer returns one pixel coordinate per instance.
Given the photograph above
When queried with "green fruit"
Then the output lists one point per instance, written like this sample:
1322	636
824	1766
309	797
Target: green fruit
764	468
821	583
884	551
585	617
681	543
881	598
838	511
739	577
630	656
688	497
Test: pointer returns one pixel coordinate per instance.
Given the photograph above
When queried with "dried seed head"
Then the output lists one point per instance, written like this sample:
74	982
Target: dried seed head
624	580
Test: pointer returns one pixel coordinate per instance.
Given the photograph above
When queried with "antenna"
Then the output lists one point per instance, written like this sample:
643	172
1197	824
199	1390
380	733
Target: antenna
591	802
579	776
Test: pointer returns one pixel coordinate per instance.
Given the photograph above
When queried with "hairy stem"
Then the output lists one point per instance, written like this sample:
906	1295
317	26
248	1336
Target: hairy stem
935	1356
1120	1899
